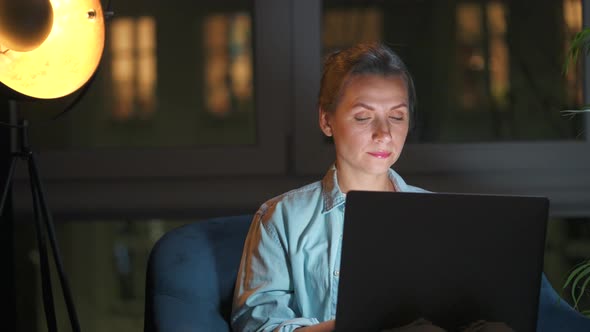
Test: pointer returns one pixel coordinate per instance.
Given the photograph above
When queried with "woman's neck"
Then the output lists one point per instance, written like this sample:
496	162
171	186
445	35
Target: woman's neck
368	182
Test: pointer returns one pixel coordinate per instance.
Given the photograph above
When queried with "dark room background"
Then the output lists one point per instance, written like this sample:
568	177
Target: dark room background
203	109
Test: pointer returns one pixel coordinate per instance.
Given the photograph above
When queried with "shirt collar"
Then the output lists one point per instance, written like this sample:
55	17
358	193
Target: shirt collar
333	196
331	192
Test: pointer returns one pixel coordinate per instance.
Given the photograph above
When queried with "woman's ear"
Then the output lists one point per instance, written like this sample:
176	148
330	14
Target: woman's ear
325	123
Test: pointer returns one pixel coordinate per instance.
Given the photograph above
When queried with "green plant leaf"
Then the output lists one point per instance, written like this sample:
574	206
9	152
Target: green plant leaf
582	290
580	42
576	270
584	108
580	273
572	113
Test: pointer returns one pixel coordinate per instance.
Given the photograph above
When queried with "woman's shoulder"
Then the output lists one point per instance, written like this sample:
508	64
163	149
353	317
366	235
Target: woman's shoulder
294	198
291	209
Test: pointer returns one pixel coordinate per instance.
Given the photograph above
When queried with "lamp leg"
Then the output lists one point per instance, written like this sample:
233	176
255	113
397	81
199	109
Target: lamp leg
47	218
41	211
8	183
48	304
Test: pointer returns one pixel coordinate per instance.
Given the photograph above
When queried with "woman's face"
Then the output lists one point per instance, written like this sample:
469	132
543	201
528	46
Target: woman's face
369	125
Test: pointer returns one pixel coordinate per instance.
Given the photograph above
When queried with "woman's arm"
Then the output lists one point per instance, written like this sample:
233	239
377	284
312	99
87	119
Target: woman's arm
263	297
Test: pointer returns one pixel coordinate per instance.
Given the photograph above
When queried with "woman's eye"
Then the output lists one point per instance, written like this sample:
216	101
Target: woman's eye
397	118
361	118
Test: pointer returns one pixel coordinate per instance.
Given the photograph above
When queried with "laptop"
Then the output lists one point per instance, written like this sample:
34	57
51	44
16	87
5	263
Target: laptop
452	259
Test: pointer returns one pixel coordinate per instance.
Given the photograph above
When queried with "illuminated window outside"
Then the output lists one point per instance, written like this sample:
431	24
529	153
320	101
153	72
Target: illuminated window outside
482	72
133	73
347	26
228	63
156	88
572	14
483	62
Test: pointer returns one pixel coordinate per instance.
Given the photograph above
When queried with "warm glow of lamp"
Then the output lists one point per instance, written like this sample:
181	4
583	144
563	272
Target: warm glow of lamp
25	24
65	60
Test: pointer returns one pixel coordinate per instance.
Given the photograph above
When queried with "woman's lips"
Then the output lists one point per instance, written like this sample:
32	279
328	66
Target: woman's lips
381	155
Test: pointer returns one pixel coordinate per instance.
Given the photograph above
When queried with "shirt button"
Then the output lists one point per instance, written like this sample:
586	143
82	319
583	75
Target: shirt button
336	273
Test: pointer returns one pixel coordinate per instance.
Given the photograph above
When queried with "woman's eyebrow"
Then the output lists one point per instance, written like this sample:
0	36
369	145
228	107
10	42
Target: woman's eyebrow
363	105
369	107
400	105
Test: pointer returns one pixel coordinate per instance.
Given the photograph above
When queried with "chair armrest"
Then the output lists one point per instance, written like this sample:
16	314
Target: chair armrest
555	314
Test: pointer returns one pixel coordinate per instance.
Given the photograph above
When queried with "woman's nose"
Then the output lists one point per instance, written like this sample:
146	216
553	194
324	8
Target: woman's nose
381	131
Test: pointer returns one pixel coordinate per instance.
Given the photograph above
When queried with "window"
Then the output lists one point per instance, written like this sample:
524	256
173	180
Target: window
482	73
572	10
118	250
525	146
175	84
133	71
228	63
473	57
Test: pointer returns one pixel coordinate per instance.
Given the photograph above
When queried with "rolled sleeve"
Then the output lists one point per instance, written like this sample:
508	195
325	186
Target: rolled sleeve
292	324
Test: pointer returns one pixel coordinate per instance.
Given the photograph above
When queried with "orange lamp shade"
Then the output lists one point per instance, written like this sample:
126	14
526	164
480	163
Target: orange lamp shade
65	60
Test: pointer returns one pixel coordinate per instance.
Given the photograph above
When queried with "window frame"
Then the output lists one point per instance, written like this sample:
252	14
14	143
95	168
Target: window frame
193	182
559	170
271	92
83	184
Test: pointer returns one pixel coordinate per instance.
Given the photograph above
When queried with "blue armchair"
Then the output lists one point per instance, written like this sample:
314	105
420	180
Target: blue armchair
192	270
191	274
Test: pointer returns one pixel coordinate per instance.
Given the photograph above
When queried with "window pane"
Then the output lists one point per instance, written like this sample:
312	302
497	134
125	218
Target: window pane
172	76
105	262
482	73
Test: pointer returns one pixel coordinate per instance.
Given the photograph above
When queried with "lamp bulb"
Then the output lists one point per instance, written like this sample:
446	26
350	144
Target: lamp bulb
24	24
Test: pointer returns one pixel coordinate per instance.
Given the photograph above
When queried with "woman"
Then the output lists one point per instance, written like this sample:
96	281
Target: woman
288	276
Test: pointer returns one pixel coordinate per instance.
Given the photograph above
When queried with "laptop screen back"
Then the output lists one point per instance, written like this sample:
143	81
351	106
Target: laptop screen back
451	259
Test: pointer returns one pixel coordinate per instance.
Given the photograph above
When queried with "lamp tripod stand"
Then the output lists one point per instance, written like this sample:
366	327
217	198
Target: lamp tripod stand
43	224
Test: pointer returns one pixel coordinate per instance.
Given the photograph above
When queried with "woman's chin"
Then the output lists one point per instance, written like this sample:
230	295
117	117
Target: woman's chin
379	168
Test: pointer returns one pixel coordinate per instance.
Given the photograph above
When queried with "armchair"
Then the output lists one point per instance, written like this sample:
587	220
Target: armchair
191	274
192	270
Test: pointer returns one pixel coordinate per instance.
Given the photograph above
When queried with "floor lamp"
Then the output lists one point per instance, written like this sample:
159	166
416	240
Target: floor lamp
49	49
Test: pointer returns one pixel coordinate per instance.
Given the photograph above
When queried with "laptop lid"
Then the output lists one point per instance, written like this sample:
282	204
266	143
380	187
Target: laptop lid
452	259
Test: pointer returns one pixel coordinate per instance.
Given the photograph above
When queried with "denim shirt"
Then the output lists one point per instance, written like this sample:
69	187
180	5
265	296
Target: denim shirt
288	275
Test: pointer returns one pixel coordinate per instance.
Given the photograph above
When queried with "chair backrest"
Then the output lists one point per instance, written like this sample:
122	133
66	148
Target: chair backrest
191	275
